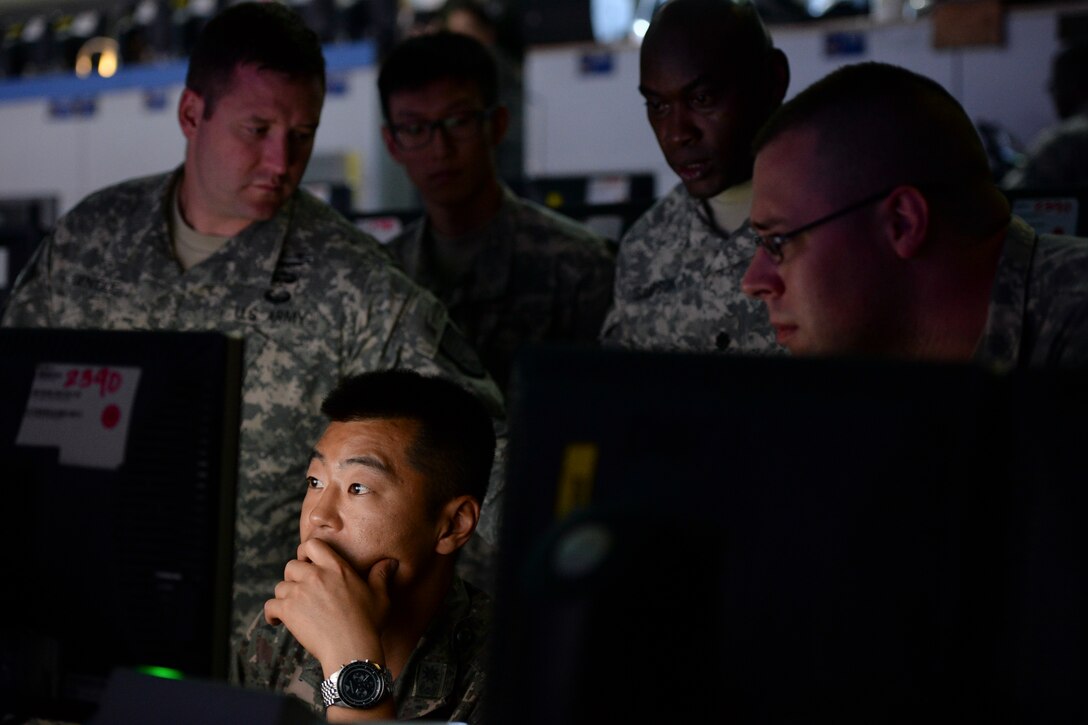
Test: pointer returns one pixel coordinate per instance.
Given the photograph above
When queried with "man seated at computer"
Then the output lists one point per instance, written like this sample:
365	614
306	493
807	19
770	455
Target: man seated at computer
229	242
510	271
883	234
370	621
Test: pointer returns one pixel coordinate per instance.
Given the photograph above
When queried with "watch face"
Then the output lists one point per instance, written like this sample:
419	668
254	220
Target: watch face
361	684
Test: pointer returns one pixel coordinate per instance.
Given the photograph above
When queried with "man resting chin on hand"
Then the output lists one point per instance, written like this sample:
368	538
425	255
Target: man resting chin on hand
370	622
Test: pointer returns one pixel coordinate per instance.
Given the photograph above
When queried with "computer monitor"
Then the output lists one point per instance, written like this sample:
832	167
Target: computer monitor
694	538
23	223
118	452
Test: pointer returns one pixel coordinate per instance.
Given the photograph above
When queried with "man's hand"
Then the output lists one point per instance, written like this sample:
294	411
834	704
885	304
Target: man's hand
330	609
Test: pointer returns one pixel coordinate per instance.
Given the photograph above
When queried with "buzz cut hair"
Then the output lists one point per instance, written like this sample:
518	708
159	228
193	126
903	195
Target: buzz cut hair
454	447
268	35
879	125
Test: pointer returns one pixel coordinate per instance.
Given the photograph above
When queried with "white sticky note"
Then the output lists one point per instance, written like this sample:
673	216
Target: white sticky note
84	410
608	190
1050	215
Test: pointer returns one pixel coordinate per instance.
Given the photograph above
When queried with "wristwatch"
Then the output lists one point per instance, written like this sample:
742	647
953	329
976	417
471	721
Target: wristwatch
360	684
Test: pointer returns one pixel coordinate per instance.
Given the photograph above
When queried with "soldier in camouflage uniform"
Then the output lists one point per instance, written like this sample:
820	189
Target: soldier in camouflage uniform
314	299
510	271
710	77
911	253
1058	159
394	489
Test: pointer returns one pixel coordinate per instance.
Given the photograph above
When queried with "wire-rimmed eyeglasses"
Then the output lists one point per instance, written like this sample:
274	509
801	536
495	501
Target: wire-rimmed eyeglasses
462	125
773	243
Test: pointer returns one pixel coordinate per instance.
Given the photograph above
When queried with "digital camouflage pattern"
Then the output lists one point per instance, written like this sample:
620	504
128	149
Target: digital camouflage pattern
540	277
1039	305
678	285
1057	160
314	299
444	678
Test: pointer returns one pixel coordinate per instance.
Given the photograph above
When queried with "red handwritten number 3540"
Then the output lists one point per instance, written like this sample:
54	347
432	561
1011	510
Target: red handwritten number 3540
108	381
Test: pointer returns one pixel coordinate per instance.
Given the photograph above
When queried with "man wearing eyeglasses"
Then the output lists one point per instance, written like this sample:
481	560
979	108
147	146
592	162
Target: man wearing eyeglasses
882	233
510	271
710	76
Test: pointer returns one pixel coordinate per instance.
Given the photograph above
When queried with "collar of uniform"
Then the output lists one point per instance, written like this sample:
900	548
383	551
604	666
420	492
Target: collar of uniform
249	258
730	208
1002	336
492	269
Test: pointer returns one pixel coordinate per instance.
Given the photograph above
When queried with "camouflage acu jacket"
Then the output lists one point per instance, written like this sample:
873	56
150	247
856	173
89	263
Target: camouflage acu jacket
314	299
678	285
444	678
540	277
1039	305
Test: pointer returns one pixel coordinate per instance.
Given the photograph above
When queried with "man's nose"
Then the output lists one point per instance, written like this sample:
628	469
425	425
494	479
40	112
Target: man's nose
762	280
677	127
276	153
442	143
326	511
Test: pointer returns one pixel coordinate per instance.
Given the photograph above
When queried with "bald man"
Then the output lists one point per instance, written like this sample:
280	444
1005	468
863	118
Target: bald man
882	234
710	77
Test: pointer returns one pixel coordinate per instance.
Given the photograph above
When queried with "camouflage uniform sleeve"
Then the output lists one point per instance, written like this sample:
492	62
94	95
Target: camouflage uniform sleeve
1073	352
593	296
269	658
247	669
1039	302
30	299
637	254
1056	327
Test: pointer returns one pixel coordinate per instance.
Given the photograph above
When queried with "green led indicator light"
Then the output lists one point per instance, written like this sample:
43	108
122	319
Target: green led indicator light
166	673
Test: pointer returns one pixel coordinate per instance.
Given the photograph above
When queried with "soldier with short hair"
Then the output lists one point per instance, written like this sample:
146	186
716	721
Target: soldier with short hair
510	271
228	242
883	234
370	622
710	76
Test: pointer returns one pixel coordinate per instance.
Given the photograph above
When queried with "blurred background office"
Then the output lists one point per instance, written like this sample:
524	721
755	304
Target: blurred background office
88	90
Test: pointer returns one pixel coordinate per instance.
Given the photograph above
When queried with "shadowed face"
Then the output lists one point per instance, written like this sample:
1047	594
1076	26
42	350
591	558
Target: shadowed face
457	163
245	160
702	108
834	292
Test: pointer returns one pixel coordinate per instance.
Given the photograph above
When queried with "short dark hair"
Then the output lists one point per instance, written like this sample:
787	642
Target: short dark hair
266	34
878	124
455	446
423	59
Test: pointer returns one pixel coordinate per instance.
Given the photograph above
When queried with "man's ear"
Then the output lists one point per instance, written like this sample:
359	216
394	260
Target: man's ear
779	68
499	124
390	144
906	221
457	522
190	112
